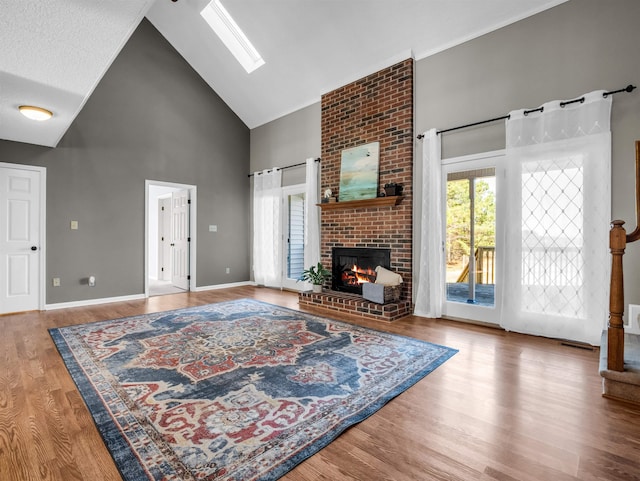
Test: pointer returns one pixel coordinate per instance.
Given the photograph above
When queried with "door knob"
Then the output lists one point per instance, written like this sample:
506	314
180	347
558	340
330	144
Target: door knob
34	248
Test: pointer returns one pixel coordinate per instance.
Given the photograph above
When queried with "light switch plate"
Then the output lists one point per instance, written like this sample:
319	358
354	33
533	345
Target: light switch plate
213	228
74	225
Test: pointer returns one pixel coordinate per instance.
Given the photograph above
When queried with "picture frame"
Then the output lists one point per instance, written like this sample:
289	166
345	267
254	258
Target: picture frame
359	172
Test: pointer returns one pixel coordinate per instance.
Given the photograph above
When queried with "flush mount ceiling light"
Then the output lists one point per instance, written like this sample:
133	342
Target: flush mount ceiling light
35	113
235	40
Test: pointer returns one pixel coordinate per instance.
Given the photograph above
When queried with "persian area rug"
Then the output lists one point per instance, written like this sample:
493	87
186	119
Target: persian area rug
239	390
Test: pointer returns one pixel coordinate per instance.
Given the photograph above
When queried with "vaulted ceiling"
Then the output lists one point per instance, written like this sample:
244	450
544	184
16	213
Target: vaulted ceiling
54	52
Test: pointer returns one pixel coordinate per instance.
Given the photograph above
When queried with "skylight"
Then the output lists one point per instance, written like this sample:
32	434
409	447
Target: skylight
232	36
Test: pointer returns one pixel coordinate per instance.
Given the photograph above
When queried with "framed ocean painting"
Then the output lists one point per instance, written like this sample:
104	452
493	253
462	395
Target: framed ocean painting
359	172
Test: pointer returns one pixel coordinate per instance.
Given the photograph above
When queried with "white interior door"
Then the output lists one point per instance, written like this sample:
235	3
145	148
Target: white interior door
180	239
164	239
20	249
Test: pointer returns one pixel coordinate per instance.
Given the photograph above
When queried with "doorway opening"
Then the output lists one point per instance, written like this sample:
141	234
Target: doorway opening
170	237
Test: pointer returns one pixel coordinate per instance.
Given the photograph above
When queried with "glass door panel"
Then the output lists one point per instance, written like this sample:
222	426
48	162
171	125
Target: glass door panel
295	242
293	235
470	240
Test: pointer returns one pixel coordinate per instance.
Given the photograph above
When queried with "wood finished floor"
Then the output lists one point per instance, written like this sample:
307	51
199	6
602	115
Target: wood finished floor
506	407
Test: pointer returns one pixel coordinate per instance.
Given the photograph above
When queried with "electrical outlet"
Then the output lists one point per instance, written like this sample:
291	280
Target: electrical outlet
56	282
228	270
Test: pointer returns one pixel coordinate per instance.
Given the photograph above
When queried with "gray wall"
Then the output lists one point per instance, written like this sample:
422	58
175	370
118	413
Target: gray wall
287	141
151	117
576	47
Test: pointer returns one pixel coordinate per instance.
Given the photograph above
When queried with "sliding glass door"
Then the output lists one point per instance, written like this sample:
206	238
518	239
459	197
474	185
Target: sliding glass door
471	232
293	235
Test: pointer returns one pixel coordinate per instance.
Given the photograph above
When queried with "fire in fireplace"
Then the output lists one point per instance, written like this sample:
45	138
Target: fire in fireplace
352	266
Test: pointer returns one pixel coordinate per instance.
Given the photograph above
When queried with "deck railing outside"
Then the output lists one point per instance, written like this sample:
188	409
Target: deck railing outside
485	266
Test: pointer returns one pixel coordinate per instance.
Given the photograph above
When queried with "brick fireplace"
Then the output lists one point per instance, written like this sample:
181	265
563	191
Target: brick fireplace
376	108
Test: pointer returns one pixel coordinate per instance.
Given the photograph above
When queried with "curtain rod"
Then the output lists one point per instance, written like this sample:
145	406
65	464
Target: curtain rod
286	167
628	88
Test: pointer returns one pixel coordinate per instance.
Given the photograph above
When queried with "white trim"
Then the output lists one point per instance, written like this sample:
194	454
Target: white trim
42	241
225	286
193	229
293	189
43	237
491	28
93	302
136	297
478	156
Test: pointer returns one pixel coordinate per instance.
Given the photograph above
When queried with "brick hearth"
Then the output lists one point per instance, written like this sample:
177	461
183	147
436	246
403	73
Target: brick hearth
376	108
354	304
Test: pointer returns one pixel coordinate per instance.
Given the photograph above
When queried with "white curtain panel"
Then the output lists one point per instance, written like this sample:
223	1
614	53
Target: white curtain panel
312	214
556	259
267	247
429	292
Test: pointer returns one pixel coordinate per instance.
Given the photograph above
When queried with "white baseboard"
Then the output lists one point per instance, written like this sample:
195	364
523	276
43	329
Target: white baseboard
92	302
225	286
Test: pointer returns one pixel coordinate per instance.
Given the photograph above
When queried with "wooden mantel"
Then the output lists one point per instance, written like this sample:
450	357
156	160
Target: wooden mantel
359	204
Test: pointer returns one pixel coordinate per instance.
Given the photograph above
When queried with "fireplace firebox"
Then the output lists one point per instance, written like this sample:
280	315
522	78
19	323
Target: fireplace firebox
352	266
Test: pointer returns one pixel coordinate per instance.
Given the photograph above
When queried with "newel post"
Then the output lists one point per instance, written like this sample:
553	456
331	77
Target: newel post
615	333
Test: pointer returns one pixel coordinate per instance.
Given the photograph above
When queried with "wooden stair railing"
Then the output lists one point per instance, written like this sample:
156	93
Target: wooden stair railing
618	240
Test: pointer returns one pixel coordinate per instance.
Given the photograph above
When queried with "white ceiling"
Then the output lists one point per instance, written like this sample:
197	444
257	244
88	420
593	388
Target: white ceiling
54	52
